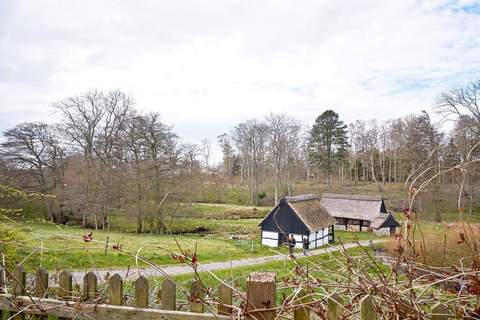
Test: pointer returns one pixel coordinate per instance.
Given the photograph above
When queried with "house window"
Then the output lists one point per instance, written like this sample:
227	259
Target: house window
355	221
366	223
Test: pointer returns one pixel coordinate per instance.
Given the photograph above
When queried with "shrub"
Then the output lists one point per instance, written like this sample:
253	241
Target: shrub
9	239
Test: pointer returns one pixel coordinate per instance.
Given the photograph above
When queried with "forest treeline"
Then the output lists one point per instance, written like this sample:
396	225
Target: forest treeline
106	156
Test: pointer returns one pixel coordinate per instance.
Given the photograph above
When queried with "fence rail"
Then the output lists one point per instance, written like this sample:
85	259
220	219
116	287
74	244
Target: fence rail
89	304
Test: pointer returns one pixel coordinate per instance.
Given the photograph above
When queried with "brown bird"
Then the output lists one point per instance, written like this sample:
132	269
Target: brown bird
88	237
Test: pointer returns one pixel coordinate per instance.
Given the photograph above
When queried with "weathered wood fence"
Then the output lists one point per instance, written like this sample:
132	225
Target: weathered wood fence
260	300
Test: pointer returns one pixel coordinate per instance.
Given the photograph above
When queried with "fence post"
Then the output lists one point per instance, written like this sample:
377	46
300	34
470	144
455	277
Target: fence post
440	312
18	287
90	288
116	290
261	290
168	295
196	296
41	287
141	292
367	309
225	299
66	288
3	286
302	313
18	284
65	284
334	307
106	245
41	283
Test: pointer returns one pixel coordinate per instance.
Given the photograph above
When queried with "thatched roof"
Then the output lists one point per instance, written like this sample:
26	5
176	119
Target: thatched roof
302	197
362	207
310	211
384	220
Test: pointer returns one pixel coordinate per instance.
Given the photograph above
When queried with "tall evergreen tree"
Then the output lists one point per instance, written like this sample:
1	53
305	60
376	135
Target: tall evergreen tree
328	142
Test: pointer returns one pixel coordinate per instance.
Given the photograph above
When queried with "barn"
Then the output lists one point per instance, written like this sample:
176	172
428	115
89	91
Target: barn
302	216
360	213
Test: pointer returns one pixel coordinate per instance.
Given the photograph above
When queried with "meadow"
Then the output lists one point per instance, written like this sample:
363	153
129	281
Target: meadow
219	232
57	246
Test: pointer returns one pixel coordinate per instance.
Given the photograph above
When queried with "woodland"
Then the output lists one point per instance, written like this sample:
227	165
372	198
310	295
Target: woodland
105	159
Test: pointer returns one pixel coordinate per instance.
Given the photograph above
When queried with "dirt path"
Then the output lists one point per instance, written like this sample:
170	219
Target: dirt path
173	270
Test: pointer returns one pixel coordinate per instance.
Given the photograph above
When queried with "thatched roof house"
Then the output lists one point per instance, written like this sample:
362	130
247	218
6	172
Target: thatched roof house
354	212
302	216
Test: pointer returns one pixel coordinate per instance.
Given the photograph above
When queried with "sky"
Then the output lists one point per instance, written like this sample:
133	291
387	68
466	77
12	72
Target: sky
208	65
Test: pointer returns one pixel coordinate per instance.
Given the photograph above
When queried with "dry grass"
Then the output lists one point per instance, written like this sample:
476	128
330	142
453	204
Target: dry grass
441	244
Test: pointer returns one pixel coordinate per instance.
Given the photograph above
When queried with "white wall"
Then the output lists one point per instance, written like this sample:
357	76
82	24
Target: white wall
274	243
324	241
312	238
272	240
318	234
382	231
299	239
340	227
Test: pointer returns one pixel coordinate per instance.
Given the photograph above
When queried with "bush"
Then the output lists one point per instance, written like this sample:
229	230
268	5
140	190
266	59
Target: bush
9	238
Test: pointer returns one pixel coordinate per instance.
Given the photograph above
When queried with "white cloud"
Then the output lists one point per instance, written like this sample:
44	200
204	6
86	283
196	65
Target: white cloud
206	65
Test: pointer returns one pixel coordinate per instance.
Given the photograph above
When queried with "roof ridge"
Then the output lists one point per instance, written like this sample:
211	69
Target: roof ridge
301	197
366	197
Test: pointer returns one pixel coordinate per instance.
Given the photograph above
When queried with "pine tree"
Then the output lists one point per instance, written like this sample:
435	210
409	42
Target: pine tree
328	142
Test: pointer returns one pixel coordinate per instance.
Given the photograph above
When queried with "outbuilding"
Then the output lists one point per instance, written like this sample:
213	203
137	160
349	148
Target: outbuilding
360	213
303	216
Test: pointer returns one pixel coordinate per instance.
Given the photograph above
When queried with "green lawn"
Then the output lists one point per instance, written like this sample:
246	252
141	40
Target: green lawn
60	246
219	211
322	266
327	268
57	246
193	225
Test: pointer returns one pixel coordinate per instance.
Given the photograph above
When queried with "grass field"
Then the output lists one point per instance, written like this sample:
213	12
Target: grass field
195	225
237	276
57	246
326	267
215	210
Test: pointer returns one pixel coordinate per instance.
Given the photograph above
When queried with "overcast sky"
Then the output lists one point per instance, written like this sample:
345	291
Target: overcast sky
206	65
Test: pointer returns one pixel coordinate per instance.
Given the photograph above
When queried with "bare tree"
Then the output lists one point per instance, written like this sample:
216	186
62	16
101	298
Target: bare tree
250	140
93	122
206	153
461	102
34	146
283	139
191	152
82	116
228	152
163	153
132	140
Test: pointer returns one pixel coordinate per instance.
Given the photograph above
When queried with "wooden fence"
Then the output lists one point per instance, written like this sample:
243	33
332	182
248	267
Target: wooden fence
260	300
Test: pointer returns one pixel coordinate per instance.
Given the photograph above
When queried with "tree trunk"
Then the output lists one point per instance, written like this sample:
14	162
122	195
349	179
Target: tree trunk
395	167
276	173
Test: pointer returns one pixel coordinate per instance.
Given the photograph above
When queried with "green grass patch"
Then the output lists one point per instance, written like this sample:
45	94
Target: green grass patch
177	225
226	211
59	247
56	246
329	267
